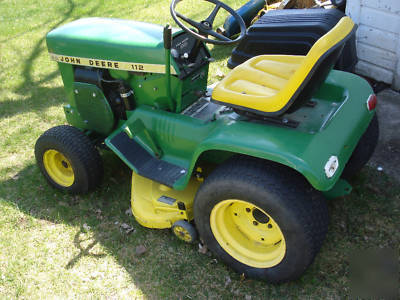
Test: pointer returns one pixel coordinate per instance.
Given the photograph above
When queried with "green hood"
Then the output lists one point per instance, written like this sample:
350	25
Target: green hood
109	39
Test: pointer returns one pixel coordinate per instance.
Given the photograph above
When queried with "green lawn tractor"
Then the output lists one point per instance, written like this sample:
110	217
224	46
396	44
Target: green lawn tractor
245	165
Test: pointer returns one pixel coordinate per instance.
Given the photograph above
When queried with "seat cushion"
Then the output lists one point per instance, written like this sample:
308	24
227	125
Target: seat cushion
257	83
269	84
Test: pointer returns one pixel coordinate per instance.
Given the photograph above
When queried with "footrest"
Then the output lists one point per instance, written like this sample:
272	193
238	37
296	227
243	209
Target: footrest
143	163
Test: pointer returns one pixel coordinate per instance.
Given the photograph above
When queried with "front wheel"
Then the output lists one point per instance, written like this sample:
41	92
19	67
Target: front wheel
263	220
68	160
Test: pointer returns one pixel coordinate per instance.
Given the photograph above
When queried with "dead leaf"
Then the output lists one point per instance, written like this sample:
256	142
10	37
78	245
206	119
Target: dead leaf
140	250
227	281
125	226
95	275
128	231
62	203
219	74
203	249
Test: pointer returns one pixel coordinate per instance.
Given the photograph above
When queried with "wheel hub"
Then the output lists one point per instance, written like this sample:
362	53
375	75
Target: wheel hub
259	216
248	233
64	164
58	168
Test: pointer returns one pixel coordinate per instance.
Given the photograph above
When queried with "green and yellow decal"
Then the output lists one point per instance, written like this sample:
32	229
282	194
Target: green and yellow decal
110	64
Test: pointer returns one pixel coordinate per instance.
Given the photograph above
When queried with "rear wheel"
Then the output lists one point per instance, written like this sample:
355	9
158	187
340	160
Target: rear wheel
247	233
263	220
364	150
68	159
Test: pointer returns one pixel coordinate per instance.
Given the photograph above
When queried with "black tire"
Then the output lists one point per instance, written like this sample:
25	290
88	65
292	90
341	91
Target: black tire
299	210
81	157
363	151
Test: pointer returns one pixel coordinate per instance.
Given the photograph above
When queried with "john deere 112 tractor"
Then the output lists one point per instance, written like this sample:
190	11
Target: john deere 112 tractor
244	165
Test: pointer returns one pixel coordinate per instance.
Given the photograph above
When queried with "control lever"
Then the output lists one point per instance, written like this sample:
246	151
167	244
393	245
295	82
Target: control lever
191	65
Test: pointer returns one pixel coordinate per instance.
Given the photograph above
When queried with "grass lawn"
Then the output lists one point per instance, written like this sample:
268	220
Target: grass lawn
53	245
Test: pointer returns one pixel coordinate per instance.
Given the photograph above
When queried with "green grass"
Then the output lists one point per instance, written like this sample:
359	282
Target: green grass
47	249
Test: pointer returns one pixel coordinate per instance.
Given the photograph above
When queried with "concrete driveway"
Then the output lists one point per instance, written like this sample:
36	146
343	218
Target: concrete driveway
387	153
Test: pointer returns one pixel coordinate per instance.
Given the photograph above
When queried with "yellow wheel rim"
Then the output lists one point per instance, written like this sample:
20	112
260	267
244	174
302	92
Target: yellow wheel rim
247	233
182	234
58	168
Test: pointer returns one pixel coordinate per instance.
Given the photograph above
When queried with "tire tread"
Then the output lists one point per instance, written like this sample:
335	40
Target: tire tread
78	145
309	206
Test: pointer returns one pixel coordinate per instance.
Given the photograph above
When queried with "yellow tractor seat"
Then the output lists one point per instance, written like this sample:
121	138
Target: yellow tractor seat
270	84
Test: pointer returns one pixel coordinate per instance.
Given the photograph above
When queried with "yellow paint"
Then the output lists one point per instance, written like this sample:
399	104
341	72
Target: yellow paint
183	234
239	230
150	212
267	83
58	167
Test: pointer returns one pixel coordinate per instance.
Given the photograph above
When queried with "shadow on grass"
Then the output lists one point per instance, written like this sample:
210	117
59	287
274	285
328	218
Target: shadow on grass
83	250
40	97
37	50
221	52
170	268
167	262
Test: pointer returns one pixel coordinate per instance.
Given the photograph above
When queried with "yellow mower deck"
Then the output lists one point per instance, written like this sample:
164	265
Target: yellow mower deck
155	205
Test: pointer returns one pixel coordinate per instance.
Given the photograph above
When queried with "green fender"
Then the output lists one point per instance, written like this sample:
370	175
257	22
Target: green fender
307	149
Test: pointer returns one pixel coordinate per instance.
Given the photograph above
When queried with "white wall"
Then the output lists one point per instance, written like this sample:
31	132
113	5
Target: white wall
378	38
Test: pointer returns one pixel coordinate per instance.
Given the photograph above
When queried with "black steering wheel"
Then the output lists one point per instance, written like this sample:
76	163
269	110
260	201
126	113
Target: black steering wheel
205	27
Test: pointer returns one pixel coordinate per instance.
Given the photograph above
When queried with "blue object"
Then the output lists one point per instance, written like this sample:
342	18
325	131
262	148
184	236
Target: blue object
247	12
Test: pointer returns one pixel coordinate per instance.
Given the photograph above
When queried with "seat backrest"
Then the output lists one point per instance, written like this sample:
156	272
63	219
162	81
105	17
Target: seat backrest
318	63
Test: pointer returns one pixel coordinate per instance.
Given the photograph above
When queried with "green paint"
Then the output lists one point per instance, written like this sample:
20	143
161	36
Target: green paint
94	108
150	89
341	188
110	39
183	139
332	127
89	109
